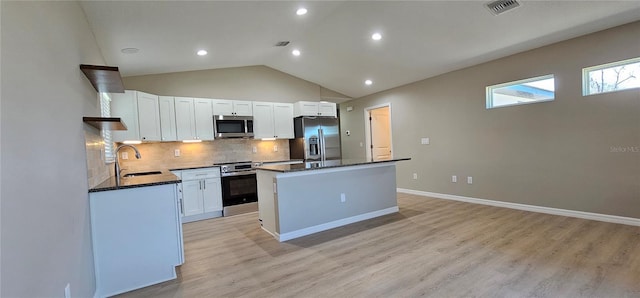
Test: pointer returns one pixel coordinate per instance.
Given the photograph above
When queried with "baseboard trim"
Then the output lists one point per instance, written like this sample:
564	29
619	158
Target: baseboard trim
333	224
548	210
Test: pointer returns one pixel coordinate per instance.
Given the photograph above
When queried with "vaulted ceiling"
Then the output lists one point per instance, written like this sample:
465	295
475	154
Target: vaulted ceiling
420	39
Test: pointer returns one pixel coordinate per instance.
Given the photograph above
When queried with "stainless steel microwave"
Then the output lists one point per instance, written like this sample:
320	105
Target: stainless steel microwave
233	126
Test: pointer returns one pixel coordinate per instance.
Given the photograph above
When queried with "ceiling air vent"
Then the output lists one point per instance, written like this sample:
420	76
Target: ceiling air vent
282	43
501	6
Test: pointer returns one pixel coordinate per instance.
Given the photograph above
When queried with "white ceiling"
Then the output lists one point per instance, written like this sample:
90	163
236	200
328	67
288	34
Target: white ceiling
421	39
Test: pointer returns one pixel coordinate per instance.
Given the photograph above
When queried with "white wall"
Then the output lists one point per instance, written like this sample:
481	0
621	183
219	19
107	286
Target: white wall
257	83
46	241
558	154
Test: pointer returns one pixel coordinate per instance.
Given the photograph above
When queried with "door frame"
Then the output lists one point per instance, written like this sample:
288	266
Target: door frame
367	128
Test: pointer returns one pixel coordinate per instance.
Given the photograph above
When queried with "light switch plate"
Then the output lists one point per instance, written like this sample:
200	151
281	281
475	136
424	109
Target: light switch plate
469	180
275	148
424	141
176	152
255	149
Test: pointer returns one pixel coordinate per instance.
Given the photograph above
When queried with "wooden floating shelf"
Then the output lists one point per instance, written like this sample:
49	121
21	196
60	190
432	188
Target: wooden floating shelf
105	123
103	78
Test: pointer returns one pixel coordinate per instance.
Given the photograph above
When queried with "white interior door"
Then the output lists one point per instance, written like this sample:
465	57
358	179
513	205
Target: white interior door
380	133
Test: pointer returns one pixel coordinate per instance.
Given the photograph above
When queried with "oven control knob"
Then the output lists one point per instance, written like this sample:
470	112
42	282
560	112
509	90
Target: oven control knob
224	169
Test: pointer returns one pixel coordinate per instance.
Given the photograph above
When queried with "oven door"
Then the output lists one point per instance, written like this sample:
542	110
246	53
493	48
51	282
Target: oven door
239	189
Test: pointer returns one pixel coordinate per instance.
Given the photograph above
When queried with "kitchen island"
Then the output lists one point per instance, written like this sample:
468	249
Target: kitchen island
136	232
296	200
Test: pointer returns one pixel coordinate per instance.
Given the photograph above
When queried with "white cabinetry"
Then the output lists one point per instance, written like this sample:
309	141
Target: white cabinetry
201	194
140	113
194	118
311	108
137	237
204	118
167	118
228	107
272	120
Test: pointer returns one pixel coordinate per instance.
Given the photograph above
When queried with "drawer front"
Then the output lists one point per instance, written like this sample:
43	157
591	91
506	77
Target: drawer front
200	174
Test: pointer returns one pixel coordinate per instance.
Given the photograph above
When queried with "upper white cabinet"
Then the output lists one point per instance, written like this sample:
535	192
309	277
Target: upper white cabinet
229	107
203	118
272	120
194	118
312	108
185	121
167	118
140	112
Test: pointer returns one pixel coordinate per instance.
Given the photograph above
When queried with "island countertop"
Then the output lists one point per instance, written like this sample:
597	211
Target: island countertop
318	165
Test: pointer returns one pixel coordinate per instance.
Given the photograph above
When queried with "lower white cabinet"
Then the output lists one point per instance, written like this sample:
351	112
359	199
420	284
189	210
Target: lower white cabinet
137	237
201	193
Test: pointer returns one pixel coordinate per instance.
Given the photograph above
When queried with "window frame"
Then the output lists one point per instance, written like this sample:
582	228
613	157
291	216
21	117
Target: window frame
104	101
587	70
489	91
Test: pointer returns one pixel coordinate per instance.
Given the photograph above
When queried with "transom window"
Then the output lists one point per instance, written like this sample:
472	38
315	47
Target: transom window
533	90
611	77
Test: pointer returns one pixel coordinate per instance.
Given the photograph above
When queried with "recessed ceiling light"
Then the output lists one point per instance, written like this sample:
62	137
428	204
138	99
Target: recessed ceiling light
296	52
376	36
129	50
368	82
301	11
201	53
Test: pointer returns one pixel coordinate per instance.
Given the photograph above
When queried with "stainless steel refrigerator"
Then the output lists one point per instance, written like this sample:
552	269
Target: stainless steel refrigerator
316	139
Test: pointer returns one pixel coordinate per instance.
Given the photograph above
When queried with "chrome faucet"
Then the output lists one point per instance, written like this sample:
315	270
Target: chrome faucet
138	156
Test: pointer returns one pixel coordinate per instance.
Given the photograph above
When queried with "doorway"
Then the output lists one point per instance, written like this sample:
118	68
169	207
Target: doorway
378	132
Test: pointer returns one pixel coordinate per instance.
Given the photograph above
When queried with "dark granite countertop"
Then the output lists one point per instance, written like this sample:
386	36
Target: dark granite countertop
317	165
140	181
267	162
193	167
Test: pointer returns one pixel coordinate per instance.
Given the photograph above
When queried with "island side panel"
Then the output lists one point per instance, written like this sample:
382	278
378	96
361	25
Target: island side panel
267	203
135	237
313	198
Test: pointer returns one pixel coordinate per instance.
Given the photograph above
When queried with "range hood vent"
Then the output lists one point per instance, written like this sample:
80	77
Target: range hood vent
502	6
282	43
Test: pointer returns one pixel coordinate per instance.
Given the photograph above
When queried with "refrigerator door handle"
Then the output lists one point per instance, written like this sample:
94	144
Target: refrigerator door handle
323	152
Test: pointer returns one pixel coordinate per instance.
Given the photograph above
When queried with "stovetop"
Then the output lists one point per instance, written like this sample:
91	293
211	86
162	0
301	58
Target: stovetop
231	163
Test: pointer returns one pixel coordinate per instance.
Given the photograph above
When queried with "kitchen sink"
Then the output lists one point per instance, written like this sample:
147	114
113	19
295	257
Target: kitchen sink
141	174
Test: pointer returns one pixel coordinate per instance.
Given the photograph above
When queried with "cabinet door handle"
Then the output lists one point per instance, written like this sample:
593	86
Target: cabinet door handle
204	184
200	184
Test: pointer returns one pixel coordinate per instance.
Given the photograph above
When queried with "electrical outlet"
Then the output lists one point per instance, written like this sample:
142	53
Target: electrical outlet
255	149
454	179
176	153
275	148
469	180
67	291
343	198
415	176
125	155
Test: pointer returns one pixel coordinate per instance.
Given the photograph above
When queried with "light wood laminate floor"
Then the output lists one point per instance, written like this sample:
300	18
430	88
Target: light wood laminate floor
432	247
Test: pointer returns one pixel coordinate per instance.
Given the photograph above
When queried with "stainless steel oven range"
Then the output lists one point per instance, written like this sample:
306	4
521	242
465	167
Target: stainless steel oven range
239	188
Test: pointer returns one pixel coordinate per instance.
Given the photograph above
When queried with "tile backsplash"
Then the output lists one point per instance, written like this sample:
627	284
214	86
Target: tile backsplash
97	169
159	156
